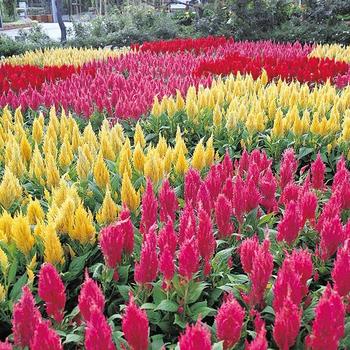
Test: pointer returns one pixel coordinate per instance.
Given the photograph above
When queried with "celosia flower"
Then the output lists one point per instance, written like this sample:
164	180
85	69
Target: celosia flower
51	290
45	338
98	333
317	173
307	207
260	341
341	270
328	326
187	224
329	211
149	208
206	239
302	264
247	251
25	319
244	162
262	265
5	346
223	212
332	235
167	202
288	167
135	326
146	269
289	226
268	186
188	258
195	337
253	196
227	166
112	240
288	285
90	296
287	325
290	193
53	251
203	198
192	183
213	181
238	199
128	230
166	264
229	321
167	237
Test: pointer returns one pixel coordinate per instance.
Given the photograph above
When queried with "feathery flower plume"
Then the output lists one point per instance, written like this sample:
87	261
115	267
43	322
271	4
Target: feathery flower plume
45	338
206	239
302	264
329	323
247	251
167	237
287	286
166	264
146	269
287	325
192	183
168	202
223	212
317	173
51	290
90	296
229	321
149	208
289	226
341	270
260	268
112	242
195	337
188	258
135	326
25	319
239	199
98	333
128	230
260	341
288	167
307	207
332	235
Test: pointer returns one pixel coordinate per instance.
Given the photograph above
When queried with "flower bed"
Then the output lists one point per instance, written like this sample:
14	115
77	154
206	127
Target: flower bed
204	212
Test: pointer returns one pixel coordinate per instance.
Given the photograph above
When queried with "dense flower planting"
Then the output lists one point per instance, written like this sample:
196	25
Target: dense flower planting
19	78
303	69
218	219
61	57
124	84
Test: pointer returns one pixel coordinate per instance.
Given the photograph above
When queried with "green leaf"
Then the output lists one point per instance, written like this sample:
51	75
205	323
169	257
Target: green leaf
238	279
157	342
179	321
148	306
73	338
17	288
168	305
218	346
12	271
195	292
124	291
304	151
76	267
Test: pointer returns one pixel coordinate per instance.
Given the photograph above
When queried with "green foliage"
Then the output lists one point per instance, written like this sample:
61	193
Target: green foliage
125	26
31	39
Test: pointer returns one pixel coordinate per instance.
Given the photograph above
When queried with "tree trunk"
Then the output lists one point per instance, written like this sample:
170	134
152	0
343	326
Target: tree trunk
59	7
